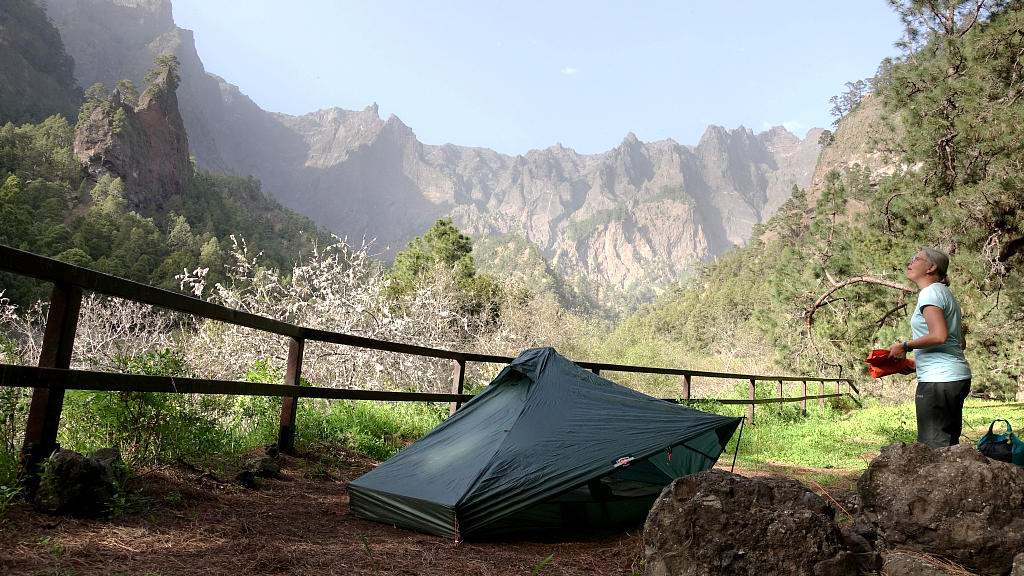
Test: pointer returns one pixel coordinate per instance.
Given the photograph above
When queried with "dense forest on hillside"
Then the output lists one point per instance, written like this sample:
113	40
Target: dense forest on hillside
47	206
813	291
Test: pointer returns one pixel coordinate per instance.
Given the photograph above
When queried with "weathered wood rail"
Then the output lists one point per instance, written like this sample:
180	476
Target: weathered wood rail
53	374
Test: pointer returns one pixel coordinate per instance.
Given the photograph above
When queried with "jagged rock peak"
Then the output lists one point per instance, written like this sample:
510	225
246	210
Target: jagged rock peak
145	146
395	125
713	132
335	115
716	136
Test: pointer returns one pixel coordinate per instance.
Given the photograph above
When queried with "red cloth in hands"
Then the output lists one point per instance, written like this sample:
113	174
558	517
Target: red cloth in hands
880	364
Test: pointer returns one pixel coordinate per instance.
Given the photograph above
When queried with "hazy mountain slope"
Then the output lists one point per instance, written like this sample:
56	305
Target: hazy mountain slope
639	214
36	75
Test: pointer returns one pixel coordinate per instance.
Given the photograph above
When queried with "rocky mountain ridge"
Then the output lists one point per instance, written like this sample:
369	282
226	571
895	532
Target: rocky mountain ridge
640	214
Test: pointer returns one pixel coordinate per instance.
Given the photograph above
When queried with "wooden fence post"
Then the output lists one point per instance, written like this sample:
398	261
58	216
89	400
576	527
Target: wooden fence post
821	393
780	396
750	410
458	383
290	405
686	388
47	403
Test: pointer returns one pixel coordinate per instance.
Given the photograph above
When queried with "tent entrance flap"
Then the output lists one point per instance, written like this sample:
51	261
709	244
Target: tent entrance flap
558	517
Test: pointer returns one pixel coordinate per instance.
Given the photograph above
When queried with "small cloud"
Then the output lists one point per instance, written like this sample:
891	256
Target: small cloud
795	126
570	71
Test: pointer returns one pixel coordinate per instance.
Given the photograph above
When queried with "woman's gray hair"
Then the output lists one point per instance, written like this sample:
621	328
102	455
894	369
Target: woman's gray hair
941	262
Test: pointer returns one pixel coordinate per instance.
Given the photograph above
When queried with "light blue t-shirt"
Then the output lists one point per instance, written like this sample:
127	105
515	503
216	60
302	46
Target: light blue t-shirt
945	362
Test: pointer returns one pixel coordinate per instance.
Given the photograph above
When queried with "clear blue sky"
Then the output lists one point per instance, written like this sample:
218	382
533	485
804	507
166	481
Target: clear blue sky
516	76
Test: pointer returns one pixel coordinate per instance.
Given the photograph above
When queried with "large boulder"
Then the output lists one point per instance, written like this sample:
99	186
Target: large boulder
78	485
952	502
715	522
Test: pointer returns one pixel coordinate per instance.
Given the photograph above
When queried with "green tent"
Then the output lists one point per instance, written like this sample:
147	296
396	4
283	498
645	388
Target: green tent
547	445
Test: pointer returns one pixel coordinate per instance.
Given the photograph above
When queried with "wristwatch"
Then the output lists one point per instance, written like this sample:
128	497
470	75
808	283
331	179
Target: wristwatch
906	348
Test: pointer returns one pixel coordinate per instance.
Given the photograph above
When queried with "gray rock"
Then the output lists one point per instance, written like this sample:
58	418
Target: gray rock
108	456
902	564
951	502
248	479
1018	565
264	467
77	485
257	468
715	522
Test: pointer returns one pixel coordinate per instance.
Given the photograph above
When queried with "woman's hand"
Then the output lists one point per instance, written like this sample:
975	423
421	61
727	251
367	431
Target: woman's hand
897	352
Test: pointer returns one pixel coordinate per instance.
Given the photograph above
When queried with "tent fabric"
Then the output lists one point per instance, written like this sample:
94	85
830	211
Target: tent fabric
547	444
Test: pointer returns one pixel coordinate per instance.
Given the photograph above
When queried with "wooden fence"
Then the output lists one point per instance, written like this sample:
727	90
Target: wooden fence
53	375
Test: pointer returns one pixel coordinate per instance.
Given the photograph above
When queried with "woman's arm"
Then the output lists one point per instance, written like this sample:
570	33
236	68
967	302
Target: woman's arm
937	333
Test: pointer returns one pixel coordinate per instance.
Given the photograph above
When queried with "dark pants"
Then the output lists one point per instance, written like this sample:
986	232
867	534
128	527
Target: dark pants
940	411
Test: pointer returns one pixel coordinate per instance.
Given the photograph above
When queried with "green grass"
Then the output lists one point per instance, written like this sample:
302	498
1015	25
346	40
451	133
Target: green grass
829	445
845	441
375	429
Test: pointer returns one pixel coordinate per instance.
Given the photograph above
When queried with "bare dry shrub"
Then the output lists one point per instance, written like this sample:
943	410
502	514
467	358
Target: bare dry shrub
337	288
113	332
14	402
340	288
21	332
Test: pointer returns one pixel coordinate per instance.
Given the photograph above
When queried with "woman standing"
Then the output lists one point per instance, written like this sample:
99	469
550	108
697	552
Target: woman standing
943	375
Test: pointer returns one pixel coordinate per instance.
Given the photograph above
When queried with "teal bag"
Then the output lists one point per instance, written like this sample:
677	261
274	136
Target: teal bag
1004	447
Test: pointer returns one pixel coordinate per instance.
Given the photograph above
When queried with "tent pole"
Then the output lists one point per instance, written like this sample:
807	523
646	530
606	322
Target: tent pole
737	451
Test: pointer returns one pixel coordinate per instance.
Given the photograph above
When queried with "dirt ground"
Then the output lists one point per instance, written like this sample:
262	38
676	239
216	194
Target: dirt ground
183	520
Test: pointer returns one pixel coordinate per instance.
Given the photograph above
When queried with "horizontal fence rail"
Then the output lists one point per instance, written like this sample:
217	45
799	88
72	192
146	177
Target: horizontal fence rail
68	379
53	375
53	378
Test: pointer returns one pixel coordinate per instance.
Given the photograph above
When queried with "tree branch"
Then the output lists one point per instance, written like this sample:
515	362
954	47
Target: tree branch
1010	249
888	217
825	297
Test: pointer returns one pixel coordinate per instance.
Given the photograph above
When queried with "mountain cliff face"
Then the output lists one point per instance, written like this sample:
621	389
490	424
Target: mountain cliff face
857	143
641	213
36	75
